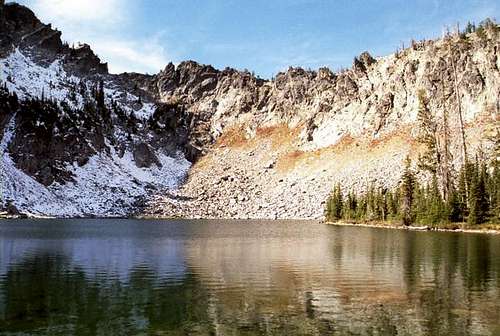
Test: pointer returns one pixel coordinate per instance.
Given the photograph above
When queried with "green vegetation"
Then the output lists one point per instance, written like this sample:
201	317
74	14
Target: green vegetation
489	24
413	203
470	196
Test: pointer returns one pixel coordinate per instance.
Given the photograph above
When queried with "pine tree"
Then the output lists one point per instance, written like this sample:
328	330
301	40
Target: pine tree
470	28
420	207
371	211
99	95
478	202
392	205
382	204
407	193
334	205
361	207
430	159
495	193
349	207
454	207
462	190
436	212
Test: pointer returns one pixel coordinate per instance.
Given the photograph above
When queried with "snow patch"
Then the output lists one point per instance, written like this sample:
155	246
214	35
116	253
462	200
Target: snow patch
108	185
29	80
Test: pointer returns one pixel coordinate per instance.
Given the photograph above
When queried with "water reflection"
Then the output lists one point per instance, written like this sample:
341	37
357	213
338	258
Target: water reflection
244	278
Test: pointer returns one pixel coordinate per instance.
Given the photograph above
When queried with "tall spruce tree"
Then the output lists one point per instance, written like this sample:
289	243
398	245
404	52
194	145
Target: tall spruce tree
349	206
495	192
478	203
407	193
437	212
335	204
430	159
454	207
494	181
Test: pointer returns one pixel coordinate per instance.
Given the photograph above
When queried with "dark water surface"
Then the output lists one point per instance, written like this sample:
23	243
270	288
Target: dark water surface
128	277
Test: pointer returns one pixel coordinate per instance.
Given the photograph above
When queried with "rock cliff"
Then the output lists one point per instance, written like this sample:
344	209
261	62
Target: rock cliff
275	148
260	148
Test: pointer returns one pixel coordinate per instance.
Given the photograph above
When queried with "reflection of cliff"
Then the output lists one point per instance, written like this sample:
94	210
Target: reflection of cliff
44	295
246	278
351	280
96	252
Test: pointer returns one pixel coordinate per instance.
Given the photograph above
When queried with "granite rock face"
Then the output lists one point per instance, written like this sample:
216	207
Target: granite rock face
259	148
319	127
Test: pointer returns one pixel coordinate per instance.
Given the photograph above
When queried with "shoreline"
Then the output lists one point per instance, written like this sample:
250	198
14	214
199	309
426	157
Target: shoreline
376	225
416	228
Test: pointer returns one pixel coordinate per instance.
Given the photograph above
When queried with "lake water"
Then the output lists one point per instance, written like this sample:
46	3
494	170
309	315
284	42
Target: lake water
131	277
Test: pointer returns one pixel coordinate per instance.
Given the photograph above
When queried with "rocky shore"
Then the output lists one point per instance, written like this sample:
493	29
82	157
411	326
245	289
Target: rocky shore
485	228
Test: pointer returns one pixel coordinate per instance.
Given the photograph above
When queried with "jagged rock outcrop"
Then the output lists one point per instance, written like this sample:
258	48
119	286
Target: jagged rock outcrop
22	29
261	148
317	128
76	140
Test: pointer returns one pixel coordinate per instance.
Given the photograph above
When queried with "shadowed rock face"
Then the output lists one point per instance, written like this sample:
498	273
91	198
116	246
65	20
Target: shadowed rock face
21	28
144	157
235	118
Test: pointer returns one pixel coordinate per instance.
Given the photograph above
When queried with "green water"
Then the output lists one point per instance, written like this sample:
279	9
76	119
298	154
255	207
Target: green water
126	277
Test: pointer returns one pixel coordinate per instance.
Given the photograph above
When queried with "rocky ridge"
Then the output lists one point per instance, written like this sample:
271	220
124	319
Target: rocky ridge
261	148
76	140
280	145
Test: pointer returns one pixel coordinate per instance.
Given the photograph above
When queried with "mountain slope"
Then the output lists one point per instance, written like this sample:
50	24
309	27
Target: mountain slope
76	141
260	148
280	145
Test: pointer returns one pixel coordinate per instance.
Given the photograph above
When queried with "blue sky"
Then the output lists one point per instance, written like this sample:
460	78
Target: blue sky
264	36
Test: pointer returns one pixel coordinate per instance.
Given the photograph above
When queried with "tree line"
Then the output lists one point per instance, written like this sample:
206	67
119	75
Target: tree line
474	198
470	195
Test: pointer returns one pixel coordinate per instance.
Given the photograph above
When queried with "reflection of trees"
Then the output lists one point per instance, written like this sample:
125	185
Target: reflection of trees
42	294
361	282
453	287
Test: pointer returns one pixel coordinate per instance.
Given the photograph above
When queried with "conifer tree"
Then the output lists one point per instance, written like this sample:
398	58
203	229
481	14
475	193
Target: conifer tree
407	193
382	204
495	193
478	203
335	204
494	181
99	95
462	190
349	210
454	207
392	205
361	207
436	212
430	159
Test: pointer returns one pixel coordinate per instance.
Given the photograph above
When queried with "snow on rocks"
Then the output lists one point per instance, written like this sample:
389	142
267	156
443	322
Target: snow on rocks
108	185
29	80
30	196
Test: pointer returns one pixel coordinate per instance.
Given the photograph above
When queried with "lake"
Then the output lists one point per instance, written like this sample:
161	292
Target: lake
177	277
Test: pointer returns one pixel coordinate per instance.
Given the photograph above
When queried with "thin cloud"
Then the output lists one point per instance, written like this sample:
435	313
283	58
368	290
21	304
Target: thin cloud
133	56
101	23
100	12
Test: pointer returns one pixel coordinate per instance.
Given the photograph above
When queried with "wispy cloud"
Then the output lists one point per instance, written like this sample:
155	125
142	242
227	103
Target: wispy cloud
147	55
103	24
76	12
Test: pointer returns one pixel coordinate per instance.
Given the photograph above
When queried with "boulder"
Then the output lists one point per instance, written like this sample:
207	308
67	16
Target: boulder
144	156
